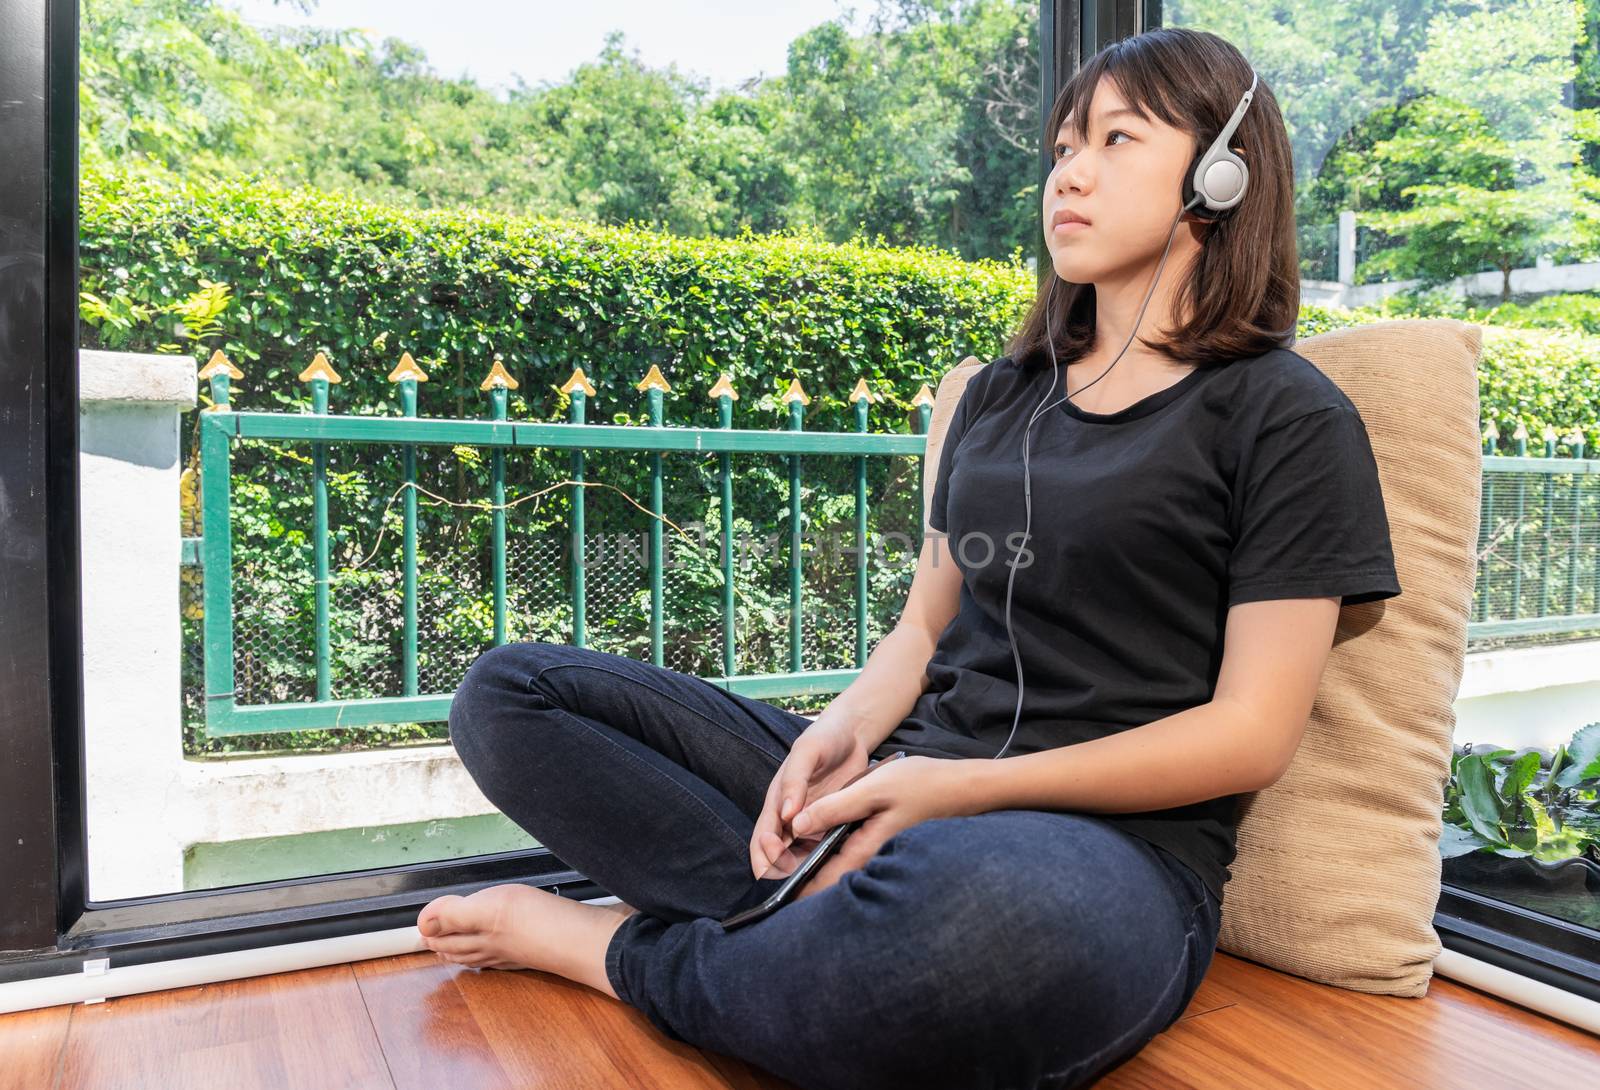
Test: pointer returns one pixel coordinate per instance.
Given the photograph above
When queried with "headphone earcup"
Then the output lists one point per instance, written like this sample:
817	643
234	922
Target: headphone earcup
1221	186
1225	180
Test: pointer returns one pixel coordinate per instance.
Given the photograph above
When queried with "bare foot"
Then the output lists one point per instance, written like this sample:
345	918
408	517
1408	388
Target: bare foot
519	927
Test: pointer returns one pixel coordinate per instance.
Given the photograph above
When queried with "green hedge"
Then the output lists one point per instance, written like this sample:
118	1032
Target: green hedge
362	282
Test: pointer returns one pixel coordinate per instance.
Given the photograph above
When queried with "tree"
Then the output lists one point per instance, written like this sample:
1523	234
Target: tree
1494	148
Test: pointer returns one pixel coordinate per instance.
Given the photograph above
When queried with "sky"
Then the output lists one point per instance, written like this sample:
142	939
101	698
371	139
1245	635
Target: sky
723	41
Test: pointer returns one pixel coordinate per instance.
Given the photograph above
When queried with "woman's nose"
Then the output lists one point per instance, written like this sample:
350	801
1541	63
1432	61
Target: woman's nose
1073	172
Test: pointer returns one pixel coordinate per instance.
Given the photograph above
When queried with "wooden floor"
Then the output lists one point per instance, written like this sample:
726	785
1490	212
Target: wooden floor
416	1021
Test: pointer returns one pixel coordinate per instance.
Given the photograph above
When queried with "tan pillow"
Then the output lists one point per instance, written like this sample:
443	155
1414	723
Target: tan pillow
944	406
1338	870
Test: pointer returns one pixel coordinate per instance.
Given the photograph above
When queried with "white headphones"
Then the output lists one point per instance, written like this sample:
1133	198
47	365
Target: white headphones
1218	179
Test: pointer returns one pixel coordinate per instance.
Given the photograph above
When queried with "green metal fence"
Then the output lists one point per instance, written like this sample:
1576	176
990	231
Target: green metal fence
305	640
421	699
1538	540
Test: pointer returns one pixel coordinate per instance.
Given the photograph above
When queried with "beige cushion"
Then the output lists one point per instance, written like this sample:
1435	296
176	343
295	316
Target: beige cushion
944	405
1338	871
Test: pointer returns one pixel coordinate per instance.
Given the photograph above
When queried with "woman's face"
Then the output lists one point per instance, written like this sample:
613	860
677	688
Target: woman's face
1126	180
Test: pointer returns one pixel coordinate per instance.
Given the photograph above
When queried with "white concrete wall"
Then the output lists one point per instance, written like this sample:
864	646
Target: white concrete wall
1544	277
1532	696
147	803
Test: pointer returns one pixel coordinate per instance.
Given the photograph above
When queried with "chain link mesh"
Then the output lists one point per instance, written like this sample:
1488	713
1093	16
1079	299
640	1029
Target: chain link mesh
1538	553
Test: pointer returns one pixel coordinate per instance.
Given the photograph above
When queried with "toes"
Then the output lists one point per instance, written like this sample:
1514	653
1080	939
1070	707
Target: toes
460	945
478	961
437	915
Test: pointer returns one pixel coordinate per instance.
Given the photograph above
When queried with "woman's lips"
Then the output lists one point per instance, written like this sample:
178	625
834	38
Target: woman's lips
1069	226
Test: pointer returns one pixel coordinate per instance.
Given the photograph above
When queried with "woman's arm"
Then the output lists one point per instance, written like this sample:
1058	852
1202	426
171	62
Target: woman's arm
885	691
1242	740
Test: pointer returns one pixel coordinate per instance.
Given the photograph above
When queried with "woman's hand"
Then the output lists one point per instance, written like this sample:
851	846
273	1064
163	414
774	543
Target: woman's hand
892	797
827	754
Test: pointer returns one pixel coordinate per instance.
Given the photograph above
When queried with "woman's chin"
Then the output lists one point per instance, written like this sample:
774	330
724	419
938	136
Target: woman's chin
1074	272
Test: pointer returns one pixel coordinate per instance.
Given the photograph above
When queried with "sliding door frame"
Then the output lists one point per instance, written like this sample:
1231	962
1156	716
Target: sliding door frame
47	924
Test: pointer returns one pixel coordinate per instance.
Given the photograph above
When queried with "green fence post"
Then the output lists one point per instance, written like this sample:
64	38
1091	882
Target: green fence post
1577	527
1521	438
1548	517
922	404
1491	437
322	376
499	384
725	395
655	385
407	374
216	542
218	370
796	399
862	398
578	389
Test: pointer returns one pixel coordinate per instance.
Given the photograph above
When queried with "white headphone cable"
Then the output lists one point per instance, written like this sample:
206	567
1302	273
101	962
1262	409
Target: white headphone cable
1027	486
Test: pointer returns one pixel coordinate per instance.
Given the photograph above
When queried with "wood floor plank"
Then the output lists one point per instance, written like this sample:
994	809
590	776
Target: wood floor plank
551	1032
429	1035
1241	1046
1275	1029
299	1029
1439	1035
31	1046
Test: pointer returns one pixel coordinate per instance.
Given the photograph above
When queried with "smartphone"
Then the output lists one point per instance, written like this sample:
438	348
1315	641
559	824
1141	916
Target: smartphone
824	847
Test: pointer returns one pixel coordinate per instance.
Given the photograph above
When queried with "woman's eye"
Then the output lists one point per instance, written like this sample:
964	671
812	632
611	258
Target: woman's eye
1060	148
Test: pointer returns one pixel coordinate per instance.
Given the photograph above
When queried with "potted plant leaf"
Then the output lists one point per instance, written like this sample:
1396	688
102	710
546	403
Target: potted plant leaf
1524	825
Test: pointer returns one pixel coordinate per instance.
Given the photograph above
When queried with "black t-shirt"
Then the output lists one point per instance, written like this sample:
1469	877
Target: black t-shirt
1247	480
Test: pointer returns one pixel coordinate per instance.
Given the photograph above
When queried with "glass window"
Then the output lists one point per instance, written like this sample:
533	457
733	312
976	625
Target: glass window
1445	159
345	214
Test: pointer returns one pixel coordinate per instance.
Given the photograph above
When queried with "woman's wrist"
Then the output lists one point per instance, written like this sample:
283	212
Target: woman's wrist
867	734
971	786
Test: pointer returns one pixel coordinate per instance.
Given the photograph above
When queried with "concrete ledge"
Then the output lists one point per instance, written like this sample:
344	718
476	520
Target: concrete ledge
138	377
1523	669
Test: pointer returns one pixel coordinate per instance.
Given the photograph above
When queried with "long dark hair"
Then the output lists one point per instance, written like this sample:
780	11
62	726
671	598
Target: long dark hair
1242	296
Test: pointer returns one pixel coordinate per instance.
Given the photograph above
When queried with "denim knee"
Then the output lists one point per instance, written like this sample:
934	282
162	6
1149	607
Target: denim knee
1032	939
487	691
972	893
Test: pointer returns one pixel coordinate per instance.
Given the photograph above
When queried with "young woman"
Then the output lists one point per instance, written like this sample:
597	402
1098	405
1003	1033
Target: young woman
1207	505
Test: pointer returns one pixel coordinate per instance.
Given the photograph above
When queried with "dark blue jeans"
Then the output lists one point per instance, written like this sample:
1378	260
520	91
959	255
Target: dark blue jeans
1013	948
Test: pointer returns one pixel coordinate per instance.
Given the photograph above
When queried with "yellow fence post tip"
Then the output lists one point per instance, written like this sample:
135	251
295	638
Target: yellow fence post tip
924	397
498	376
577	381
320	368
794	392
724	386
219	362
654	379
407	368
861	391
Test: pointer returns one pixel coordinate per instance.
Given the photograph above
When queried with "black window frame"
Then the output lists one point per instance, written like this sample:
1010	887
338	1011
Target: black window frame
47	924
